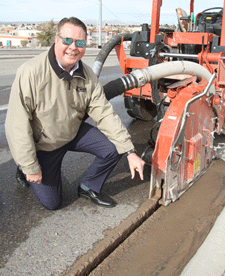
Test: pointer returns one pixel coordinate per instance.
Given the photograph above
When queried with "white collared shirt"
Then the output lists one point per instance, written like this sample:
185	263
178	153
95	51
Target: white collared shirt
76	66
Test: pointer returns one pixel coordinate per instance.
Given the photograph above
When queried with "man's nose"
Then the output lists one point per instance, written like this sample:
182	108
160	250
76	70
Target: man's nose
73	45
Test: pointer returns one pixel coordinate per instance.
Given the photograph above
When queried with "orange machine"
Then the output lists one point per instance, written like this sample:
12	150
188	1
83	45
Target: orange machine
180	77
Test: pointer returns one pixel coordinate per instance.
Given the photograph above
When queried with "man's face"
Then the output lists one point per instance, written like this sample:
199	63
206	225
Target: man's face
69	55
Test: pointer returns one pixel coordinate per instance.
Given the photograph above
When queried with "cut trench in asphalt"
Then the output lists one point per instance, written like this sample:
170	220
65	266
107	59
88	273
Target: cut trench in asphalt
113	238
159	242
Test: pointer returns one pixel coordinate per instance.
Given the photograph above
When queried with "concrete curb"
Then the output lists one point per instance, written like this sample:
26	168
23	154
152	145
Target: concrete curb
16	56
112	240
31	56
3	107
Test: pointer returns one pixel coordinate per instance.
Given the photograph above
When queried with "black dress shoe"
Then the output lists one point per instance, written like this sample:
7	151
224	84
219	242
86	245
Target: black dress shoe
104	201
21	179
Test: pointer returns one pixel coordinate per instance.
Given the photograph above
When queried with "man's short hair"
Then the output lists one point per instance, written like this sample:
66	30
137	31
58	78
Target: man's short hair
72	20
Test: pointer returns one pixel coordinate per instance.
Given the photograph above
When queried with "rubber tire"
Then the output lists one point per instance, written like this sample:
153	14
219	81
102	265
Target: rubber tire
140	109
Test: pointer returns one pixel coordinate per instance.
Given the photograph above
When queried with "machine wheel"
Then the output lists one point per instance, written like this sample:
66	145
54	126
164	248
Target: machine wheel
140	109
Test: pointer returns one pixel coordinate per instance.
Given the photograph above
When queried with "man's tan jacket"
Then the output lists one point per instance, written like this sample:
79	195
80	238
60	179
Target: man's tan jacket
47	106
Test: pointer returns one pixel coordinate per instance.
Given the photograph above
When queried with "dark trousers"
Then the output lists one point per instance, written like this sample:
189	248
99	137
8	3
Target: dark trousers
89	139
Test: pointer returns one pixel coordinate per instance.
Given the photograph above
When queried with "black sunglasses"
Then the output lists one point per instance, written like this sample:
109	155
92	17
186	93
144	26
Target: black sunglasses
68	41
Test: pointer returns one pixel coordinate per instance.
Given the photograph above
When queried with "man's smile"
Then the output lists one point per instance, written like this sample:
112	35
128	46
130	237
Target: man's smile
71	55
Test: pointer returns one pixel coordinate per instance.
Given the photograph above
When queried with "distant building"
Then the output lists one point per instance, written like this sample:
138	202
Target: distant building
17	41
92	37
29	33
18	35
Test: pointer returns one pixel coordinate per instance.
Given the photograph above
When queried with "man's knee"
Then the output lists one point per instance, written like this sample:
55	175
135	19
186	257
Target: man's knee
49	196
111	152
52	204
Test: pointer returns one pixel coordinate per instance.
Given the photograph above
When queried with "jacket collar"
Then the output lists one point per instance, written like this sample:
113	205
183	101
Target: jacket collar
62	74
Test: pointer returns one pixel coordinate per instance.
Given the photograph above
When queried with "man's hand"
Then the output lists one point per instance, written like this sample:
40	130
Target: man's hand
136	164
35	178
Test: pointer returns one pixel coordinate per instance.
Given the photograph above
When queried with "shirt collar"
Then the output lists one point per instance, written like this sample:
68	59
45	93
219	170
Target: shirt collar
76	66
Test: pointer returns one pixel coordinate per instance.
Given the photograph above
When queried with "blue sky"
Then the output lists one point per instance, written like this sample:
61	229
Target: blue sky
123	10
